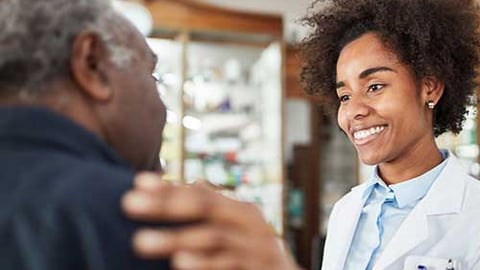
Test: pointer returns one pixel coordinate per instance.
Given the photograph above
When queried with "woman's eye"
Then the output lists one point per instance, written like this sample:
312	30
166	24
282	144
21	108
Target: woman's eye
375	87
343	98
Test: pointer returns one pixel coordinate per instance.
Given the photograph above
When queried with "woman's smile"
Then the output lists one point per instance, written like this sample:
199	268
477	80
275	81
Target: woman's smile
366	135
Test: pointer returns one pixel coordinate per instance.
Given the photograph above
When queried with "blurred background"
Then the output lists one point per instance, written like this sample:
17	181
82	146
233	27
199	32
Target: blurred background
237	116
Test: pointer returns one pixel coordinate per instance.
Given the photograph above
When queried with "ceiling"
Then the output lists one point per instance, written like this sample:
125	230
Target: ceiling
291	10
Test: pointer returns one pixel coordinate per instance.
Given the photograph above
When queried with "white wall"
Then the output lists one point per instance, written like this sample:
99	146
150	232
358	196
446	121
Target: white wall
297	125
290	9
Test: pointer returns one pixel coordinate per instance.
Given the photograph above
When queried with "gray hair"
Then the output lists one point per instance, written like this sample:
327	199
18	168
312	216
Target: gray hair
36	39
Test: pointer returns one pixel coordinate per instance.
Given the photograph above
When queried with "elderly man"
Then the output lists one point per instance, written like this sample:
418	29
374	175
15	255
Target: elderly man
79	115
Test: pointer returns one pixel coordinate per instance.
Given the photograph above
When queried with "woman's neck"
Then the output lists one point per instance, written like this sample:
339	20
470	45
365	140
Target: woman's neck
411	164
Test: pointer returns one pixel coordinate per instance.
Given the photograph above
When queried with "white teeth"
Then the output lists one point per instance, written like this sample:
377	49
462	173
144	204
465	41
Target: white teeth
362	134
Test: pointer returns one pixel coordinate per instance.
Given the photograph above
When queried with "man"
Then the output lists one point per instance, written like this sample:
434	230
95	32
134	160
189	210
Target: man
79	114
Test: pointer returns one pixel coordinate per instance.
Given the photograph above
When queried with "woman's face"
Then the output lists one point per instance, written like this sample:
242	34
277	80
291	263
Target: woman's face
381	106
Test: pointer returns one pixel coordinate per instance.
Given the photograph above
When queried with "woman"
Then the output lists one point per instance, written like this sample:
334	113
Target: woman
398	73
405	71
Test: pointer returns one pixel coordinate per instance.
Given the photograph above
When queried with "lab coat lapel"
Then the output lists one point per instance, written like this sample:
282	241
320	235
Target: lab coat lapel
444	197
411	233
348	220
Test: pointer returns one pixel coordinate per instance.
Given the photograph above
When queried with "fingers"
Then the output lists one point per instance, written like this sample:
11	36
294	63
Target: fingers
150	182
195	261
204	247
183	260
225	234
151	243
167	205
153	200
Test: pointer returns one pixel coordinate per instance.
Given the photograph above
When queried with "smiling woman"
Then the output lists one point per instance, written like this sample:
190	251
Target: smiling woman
382	108
398	73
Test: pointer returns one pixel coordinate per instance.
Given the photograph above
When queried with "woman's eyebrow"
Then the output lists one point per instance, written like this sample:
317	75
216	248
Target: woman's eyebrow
366	73
371	71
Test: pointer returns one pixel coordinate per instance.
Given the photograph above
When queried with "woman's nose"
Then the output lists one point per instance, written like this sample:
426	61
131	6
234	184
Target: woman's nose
357	108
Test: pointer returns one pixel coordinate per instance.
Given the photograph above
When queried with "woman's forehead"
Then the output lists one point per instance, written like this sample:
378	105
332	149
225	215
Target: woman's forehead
367	51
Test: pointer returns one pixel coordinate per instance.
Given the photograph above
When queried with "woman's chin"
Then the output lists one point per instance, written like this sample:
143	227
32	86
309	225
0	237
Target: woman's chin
369	159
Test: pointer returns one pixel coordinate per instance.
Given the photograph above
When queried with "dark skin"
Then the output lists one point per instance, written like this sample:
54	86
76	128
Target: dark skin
99	101
227	234
377	90
436	40
116	104
225	239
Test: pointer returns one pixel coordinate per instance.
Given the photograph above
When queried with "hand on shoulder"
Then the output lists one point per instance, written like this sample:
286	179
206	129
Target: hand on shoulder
221	233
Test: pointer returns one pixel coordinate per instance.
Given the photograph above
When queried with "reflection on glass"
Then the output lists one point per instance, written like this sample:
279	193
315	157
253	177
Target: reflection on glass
224	125
232	100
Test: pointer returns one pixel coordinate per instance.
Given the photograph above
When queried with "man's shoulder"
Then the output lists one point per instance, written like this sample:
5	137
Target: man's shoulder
91	174
76	172
68	209
93	185
37	180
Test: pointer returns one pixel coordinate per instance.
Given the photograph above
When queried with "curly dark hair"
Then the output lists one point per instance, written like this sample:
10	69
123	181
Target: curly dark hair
434	37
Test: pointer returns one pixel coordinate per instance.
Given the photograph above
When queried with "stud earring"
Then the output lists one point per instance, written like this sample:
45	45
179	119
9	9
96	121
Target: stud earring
431	104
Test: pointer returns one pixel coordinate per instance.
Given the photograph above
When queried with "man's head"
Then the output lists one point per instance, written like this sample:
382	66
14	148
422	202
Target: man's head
85	61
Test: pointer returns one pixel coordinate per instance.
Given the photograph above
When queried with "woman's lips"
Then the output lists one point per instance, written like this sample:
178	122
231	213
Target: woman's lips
363	136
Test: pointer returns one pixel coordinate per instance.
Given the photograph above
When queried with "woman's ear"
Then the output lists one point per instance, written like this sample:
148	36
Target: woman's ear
432	90
88	65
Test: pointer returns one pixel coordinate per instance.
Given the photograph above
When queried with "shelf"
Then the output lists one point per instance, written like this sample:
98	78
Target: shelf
222	83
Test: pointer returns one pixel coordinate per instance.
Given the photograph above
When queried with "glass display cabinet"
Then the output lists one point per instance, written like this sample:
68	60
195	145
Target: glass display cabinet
224	95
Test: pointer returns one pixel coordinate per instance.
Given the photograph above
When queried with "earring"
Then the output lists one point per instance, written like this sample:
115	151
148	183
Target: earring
431	104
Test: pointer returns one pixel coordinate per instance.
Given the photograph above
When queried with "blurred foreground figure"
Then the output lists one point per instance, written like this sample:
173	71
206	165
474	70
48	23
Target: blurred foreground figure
79	115
397	73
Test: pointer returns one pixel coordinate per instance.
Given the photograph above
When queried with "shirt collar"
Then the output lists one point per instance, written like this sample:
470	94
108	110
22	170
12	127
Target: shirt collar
411	190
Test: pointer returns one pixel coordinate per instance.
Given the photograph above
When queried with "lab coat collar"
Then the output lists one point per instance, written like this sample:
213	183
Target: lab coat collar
349	215
452	182
414	229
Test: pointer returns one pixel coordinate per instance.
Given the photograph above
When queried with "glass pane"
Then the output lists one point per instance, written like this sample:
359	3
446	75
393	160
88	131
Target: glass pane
232	122
168	73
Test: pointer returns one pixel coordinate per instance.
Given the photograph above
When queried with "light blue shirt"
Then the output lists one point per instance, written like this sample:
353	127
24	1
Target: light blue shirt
383	213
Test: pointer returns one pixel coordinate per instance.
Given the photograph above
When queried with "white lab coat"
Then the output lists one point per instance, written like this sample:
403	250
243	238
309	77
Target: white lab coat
444	225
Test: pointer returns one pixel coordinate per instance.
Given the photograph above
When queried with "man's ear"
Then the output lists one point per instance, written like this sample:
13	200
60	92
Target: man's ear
432	89
88	64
